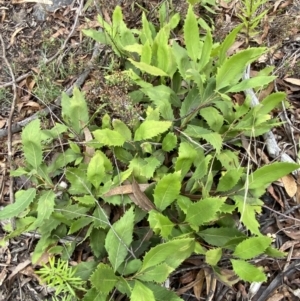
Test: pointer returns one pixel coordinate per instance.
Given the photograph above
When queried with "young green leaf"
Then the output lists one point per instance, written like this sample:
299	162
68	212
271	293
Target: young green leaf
109	137
157	274
258	81
213	118
119	238
122	129
204	211
45	206
172	253
78	180
248	213
32	146
252	247
104	278
233	68
160	224
75	110
187	155
191	35
141	293
265	175
151	128
161	293
182	59
94	295
167	190
96	170
206	51
247	272
23	199
169	142
146	34
152	70
213	256
146	54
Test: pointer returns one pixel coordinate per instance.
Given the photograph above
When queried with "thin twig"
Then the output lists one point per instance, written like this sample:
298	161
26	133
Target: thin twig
9	126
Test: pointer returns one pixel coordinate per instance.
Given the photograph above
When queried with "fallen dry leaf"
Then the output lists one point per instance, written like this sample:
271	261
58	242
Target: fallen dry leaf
291	80
199	284
125	189
290	185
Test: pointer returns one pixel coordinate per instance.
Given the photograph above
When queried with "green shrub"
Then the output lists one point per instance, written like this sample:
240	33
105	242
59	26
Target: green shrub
150	195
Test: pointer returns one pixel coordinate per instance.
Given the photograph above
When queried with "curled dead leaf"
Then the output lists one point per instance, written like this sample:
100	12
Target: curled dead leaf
290	185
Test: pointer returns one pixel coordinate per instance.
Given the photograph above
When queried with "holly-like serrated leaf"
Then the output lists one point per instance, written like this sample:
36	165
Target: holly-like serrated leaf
157	274
160	224
169	142
229	179
191	35
22	201
119	238
172	253
145	33
182	59
104	279
186	156
146	55
167	190
86	200
122	129
141	293
45	206
109	137
269	173
272	252
247	272
80	224
248	214
228	159
32	146
252	247
204	211
213	118
213	256
206	51
151	128
220	236
251	83
231	71
213	138
78	180
96	170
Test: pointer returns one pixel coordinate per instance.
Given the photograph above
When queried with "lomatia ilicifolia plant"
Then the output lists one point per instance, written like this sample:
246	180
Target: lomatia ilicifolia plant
148	196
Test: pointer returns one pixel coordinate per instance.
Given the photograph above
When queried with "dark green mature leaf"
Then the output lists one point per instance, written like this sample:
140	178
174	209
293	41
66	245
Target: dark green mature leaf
204	211
252	247
93	294
213	118
191	35
32	146
22	201
80	223
104	278
229	179
84	269
233	68
220	236
97	240
248	272
119	238
151	128
172	253
109	137
167	190
141	292
265	175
